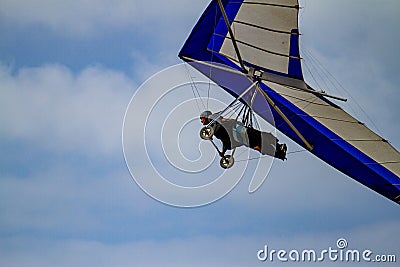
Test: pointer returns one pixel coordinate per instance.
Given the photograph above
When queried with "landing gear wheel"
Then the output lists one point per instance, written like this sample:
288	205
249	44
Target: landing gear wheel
226	161
206	133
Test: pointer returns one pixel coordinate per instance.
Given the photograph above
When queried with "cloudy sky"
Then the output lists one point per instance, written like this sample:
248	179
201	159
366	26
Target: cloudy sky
68	70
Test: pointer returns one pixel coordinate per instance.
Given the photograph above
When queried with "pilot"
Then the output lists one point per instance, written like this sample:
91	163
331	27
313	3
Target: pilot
233	133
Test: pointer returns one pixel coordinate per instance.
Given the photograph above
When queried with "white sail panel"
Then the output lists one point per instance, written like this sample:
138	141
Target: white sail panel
345	126
252	54
263	33
282	17
278	43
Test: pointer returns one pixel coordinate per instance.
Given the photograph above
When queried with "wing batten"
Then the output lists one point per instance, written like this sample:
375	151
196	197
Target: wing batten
260	48
263	28
265	3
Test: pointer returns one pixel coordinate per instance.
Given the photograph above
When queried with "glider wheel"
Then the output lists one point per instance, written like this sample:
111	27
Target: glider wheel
206	133
226	161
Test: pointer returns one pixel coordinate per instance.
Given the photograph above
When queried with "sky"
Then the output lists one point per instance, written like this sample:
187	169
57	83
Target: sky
68	72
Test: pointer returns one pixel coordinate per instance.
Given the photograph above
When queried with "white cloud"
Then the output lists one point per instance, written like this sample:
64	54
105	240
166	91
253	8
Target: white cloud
61	111
235	250
80	18
66	201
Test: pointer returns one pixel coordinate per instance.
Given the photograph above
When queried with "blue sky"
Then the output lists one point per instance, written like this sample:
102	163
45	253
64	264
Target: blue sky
67	73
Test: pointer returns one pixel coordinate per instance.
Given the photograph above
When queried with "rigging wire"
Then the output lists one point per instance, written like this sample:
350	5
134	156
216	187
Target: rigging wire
311	74
232	110
321	75
212	57
339	87
195	90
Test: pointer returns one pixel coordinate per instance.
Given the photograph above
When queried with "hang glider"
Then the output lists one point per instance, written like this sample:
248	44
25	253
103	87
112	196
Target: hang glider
260	39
